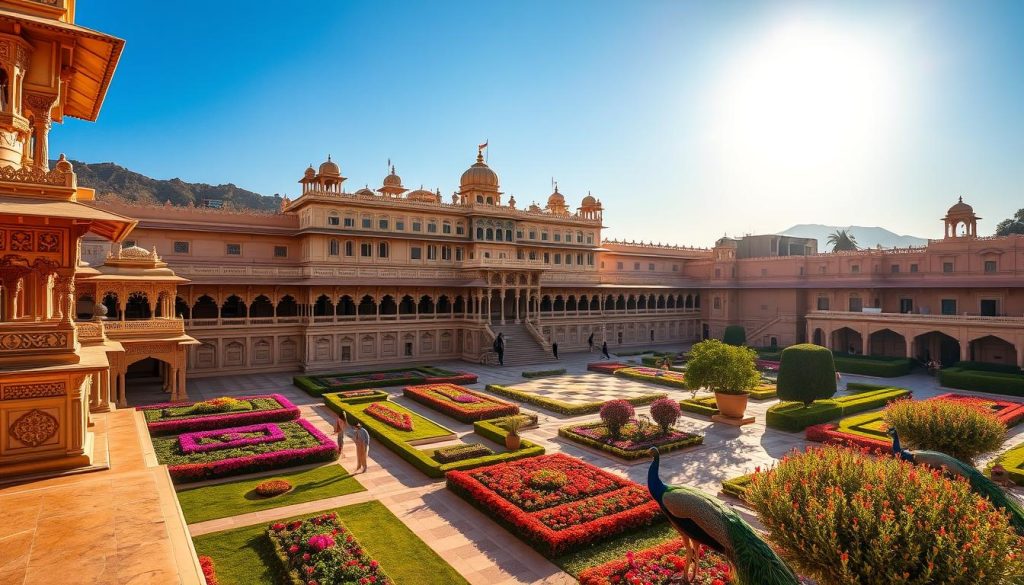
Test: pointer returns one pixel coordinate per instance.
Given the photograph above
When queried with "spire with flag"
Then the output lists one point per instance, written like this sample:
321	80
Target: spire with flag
480	150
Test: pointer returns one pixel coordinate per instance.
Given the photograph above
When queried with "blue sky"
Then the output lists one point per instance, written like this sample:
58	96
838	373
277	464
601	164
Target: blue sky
687	119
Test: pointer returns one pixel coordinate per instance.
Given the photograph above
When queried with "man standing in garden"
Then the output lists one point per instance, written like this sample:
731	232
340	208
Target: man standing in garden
590	342
554	348
339	427
604	351
362	441
499	348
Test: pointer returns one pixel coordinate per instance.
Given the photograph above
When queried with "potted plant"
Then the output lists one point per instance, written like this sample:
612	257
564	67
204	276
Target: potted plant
726	370
512	424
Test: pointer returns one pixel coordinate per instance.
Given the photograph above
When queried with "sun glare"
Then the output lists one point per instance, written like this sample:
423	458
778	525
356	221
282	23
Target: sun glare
805	95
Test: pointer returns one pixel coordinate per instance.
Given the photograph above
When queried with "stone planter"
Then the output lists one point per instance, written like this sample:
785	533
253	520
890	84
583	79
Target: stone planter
731	405
512	442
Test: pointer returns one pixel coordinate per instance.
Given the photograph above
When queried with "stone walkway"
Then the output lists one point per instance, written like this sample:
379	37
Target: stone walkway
476	547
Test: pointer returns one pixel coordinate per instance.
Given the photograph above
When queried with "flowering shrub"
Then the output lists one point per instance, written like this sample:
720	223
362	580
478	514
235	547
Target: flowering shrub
272	487
1009	412
203	441
209	574
665	412
844	517
178	417
321	550
606	367
659	565
461	452
959	428
460	403
555	517
218	405
635	438
356	393
302	444
656	375
400	420
615	414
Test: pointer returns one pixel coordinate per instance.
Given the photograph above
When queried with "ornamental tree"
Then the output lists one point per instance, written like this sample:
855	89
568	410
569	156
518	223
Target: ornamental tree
735	335
615	414
721	368
665	412
807	373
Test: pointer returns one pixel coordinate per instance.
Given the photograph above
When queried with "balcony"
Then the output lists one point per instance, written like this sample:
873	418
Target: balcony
917	318
143	328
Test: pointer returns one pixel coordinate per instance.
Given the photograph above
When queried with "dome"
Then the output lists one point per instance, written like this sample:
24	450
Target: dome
960	208
330	168
134	252
556	198
421	195
366	191
589	201
479	175
392	180
310	173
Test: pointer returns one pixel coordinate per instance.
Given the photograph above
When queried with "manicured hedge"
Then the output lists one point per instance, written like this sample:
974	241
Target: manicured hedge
873	366
806	373
543	373
1013	462
315	386
486	406
563	407
795	417
994	382
734	335
266	408
987	367
424	459
737	486
682	442
702	405
672	379
765	391
856	387
373	396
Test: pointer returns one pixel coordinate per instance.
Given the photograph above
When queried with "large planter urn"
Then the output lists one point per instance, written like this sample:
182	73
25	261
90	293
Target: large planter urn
731	405
512	442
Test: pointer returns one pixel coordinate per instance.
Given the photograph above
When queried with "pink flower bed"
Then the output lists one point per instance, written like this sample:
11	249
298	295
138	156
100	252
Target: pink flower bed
400	420
767	365
230	438
284	412
325	450
606	367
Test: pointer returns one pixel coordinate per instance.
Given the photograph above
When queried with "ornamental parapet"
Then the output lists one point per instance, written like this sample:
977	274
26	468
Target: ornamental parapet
144	328
911	318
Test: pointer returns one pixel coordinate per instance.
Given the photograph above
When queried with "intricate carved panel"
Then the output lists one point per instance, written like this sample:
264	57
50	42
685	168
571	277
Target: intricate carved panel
40	390
48	242
13	341
22	240
137	348
34	428
33	175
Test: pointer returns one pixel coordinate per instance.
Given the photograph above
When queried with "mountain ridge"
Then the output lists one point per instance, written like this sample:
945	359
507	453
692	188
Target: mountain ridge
867	236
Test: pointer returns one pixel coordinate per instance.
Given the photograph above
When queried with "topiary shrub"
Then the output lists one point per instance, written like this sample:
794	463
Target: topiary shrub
721	368
844	517
272	487
615	414
806	373
665	412
957	428
734	335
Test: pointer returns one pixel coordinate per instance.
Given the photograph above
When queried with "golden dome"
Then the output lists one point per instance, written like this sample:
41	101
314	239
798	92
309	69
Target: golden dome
589	201
366	191
479	175
960	208
310	172
330	168
556	198
135	252
421	195
392	180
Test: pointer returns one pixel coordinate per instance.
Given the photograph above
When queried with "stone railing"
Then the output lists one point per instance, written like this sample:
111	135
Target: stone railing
119	329
90	331
918	318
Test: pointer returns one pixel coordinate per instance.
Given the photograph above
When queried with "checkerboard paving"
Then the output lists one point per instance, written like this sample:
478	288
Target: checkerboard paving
586	388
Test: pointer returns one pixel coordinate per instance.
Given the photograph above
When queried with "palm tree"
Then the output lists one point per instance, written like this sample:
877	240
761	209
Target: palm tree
842	241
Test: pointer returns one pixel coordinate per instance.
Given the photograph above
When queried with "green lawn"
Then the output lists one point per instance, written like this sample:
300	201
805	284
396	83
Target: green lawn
422	427
616	548
236	497
244	556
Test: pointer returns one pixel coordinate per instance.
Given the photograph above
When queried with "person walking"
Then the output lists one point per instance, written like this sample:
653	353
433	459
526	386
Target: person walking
362	441
590	342
499	348
339	427
604	351
554	348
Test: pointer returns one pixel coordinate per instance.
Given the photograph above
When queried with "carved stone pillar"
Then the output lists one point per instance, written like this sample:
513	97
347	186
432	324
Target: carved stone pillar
39	105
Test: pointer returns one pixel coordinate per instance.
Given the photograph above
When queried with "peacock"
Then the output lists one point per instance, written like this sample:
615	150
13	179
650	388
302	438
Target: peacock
979	483
702	519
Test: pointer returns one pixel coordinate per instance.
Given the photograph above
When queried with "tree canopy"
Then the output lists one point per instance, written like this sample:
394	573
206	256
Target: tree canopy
1014	225
842	241
722	368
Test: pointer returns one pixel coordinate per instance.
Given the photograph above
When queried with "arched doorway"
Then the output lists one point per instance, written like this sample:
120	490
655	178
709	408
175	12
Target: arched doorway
818	338
146	381
846	340
937	346
887	343
993	350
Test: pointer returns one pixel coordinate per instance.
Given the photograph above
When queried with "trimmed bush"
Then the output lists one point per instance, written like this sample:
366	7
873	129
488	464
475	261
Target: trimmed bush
806	373
995	382
987	367
795	416
910	527
880	367
615	414
734	335
665	412
721	368
461	452
702	405
543	373
272	487
856	387
955	427
737	486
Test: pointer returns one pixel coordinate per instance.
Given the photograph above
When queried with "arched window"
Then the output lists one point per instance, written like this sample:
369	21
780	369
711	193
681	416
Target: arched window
205	308
479	233
345	306
460	305
388	306
490	234
181	308
407	306
5	89
333	250
444	305
545	303
367	306
287	307
479	199
333	219
382	250
137	307
323	307
426	305
490	201
350	248
233	308
261	307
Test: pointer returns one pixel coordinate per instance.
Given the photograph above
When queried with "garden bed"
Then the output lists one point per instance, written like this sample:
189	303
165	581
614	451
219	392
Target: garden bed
636	438
556	503
543	373
426	431
881	367
982	381
462	404
1013	462
737	486
659	564
561	406
668	378
318	385
177	417
702	405
606	367
322	550
243	450
795	417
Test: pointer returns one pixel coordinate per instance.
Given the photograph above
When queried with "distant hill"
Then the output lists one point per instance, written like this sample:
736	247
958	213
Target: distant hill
867	237
111	180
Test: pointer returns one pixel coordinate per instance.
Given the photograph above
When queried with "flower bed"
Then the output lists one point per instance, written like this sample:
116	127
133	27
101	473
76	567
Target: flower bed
557	503
209	573
1008	412
387	415
636	438
659	565
795	417
318	385
561	406
302	444
606	367
543	373
321	550
767	365
178	417
460	403
203	441
764	391
669	378
461	452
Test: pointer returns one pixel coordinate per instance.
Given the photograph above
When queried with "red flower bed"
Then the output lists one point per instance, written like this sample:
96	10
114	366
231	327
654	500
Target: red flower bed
606	367
556	503
659	565
1008	412
321	550
832	434
400	420
209	574
463	378
460	403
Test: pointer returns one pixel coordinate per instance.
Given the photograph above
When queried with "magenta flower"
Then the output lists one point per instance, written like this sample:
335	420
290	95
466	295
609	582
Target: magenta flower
319	542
